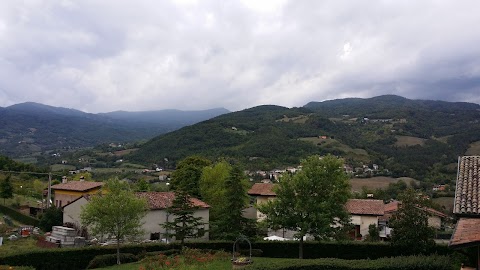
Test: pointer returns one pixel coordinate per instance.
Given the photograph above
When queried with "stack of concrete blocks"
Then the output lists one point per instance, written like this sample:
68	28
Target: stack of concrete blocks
64	236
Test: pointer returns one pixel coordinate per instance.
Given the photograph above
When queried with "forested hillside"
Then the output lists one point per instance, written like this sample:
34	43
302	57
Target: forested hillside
31	129
415	138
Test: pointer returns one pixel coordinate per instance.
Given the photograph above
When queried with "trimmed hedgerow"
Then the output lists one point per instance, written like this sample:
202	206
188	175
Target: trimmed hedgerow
75	258
19	216
433	262
111	259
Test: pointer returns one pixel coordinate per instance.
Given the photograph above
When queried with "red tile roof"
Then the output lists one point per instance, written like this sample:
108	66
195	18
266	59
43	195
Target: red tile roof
262	189
78	185
467	191
365	207
466	233
163	200
392	207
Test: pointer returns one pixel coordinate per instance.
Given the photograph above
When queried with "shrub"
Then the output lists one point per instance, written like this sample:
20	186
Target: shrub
433	262
7	267
111	259
79	258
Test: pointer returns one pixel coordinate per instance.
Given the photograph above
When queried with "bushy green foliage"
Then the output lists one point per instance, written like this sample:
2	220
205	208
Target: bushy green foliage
116	214
410	224
110	259
53	216
433	262
312	201
187	175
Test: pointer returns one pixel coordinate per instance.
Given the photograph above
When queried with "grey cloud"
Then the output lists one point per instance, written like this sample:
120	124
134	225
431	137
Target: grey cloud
111	55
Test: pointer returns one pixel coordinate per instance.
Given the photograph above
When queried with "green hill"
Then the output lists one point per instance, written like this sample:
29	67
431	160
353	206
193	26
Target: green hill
364	131
30	129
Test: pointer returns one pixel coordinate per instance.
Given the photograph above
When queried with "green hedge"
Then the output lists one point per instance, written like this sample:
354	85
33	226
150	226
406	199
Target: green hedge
74	258
433	262
18	216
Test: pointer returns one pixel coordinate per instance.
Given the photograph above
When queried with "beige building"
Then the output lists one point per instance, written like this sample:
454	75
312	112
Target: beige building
67	192
260	193
157	215
363	214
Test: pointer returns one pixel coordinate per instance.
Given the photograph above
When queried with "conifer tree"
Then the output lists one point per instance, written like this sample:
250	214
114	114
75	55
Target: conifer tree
231	222
182	222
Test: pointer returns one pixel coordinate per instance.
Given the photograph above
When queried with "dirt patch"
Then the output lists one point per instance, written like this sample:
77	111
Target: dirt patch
473	149
125	152
404	141
445	202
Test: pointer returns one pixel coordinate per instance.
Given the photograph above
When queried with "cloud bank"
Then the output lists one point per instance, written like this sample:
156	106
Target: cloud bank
100	56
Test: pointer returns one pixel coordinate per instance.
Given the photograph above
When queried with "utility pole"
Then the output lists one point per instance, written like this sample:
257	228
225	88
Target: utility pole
49	193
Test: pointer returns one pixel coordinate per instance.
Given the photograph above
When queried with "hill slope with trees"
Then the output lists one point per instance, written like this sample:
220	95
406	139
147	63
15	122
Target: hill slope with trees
32	128
416	138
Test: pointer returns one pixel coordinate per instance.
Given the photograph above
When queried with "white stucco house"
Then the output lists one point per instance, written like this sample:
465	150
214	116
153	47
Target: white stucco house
364	213
158	202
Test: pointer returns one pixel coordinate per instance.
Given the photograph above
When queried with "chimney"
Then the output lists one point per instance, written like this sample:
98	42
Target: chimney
64	179
82	178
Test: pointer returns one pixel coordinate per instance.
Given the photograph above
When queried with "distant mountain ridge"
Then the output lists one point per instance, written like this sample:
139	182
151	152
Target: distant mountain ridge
31	128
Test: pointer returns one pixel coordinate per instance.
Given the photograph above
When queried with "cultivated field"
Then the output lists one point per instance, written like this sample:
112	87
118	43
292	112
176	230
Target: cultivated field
61	167
473	149
125	152
446	202
404	141
332	144
381	182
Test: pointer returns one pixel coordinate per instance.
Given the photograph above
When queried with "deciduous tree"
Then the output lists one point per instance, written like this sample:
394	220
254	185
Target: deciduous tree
212	187
117	213
53	216
410	224
187	175
312	201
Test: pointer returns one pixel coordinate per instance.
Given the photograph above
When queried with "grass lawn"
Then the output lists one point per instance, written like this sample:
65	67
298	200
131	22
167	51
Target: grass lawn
21	245
216	265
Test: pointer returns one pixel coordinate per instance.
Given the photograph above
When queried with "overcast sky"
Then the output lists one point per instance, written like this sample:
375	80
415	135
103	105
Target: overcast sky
106	55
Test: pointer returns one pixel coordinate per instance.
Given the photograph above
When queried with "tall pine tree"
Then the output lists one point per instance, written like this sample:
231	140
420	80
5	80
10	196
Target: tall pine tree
231	222
183	224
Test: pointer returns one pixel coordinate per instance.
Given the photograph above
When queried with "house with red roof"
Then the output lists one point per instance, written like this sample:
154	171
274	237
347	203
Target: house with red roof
466	205
69	191
261	193
158	202
364	213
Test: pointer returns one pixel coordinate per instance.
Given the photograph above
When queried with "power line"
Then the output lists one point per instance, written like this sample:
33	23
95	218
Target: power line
30	173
